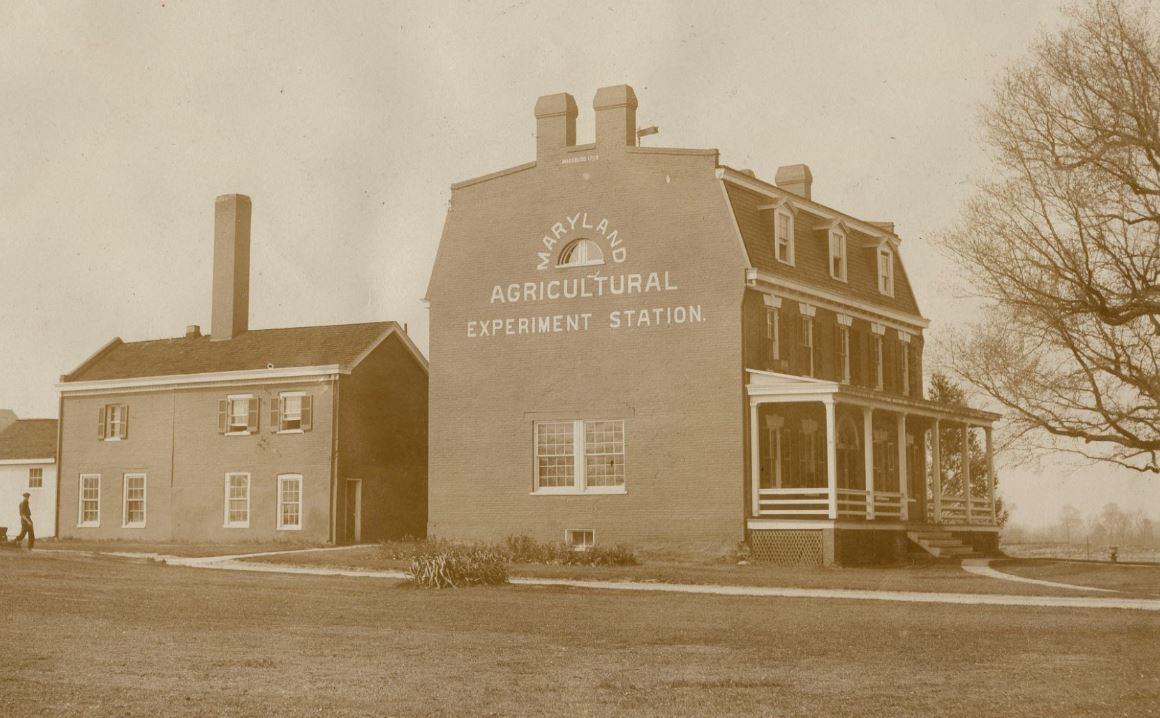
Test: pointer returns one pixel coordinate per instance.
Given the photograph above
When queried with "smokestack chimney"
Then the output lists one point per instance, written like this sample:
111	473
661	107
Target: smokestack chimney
615	116
555	125
231	267
796	179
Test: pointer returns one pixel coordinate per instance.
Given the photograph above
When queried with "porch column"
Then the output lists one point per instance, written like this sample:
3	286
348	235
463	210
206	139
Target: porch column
936	473
903	472
755	458
868	457
832	456
990	473
965	461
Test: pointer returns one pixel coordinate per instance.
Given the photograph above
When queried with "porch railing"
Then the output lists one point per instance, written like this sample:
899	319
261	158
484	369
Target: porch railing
816	502
954	511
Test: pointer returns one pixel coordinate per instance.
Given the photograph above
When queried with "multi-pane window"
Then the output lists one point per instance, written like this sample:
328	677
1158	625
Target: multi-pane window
290	502
807	347
876	369
783	235
772	332
292	412
886	271
113	422
580	539
36	478
90	503
904	366
838	255
555	454
843	353
133	512
237	501
604	453
561	467
239	415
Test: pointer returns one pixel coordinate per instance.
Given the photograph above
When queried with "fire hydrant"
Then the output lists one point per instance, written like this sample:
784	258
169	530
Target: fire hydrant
1113	553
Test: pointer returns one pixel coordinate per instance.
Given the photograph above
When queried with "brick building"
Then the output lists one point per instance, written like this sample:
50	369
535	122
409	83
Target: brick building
639	344
301	434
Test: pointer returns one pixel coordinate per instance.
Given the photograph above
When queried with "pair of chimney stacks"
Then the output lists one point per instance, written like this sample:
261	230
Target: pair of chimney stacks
615	108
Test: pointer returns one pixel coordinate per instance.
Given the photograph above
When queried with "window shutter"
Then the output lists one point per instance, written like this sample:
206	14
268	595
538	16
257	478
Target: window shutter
790	326
887	364
276	413
252	419
101	426
307	413
223	415
858	356
124	421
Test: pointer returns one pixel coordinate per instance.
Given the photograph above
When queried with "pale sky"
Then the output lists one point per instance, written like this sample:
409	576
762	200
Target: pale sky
346	124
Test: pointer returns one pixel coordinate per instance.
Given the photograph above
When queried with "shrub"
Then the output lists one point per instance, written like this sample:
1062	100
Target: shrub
524	549
459	566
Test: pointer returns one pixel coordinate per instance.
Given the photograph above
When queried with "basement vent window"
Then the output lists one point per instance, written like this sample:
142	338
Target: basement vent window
580	539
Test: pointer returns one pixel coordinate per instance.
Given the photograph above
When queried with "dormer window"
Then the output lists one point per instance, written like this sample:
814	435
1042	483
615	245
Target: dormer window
783	235
581	253
838	254
886	271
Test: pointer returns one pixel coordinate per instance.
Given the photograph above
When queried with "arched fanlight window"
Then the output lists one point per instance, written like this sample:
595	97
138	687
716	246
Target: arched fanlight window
580	253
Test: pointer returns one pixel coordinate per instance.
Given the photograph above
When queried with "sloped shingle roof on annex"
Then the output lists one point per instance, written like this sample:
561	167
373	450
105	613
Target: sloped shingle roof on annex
337	344
28	439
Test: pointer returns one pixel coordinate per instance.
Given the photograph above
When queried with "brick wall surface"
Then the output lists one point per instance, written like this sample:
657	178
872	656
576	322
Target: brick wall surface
678	388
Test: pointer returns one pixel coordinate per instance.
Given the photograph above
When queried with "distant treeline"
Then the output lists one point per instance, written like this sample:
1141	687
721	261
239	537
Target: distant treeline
1109	526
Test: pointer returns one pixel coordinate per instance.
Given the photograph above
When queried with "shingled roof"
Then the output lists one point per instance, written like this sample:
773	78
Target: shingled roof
340	344
28	439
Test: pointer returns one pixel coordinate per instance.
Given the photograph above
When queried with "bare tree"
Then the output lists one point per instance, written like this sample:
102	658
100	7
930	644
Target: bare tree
1064	243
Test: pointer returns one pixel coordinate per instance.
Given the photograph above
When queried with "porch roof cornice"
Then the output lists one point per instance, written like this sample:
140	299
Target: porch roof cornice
765	387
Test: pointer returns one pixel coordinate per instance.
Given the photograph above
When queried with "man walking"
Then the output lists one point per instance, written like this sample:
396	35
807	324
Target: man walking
26	523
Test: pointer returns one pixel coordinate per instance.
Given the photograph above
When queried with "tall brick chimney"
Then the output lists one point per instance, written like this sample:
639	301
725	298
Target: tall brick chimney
555	125
615	116
231	267
796	179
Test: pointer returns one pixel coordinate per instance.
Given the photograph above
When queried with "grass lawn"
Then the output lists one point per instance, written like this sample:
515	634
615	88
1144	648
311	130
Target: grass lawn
949	578
88	635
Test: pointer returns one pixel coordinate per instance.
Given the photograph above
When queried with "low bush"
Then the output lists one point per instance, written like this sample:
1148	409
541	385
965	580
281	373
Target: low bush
459	566
524	549
439	563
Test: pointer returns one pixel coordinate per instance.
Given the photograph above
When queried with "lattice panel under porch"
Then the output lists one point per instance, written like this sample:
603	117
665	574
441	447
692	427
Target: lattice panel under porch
787	547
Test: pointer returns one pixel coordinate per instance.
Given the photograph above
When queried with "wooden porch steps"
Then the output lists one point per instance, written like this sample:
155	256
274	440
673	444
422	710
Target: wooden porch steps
941	544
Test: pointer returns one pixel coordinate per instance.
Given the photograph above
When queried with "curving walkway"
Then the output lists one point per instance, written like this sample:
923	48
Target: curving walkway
982	567
237	563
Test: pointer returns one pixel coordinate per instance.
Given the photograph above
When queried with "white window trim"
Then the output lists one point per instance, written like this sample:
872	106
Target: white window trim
808	340
282	478
226	523
879	354
844	340
885	281
28	484
230	431
773	332
789	252
580	465
81	523
282	413
838	242
125	500
904	361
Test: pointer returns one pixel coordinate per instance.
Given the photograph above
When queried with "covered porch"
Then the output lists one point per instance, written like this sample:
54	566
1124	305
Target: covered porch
826	451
